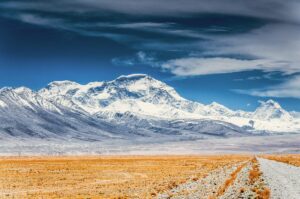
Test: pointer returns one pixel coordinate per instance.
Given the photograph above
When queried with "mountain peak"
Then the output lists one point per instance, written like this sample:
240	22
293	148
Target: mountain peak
270	103
271	110
215	104
141	95
23	90
220	109
61	83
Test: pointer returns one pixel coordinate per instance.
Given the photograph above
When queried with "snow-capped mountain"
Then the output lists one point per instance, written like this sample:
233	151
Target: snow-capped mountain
24	97
138	94
143	95
130	106
271	110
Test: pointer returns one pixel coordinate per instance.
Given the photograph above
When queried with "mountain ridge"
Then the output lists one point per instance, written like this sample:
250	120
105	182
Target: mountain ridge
141	96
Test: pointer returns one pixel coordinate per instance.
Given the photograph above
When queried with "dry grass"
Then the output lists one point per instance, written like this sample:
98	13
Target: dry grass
293	159
103	177
254	173
228	182
264	194
260	188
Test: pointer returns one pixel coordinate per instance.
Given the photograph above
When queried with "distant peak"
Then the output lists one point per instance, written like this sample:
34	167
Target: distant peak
62	83
270	103
22	89
271	110
215	104
94	84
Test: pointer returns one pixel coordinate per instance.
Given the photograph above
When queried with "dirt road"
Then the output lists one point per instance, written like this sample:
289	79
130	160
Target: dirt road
283	179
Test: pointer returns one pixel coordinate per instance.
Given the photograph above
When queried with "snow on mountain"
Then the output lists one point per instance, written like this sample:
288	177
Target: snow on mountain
220	110
295	114
2	104
130	106
269	116
143	95
24	97
138	93
271	110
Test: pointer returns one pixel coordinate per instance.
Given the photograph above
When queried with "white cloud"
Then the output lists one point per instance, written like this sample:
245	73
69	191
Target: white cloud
279	43
163	28
34	19
203	66
290	88
273	47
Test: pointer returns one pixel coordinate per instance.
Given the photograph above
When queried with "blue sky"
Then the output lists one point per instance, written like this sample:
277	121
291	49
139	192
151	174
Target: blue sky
229	51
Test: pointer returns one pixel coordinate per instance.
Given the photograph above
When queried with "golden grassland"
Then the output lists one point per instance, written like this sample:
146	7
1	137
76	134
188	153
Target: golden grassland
293	159
105	176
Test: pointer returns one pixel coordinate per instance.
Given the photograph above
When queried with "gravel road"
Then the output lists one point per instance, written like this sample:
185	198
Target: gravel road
283	179
202	188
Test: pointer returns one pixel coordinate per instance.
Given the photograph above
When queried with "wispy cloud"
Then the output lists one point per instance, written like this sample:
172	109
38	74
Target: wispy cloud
274	47
139	58
289	88
33	19
279	43
187	38
160	25
203	66
273	9
61	23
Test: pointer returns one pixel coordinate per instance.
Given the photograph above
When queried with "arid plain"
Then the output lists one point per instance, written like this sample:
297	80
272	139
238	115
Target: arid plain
219	176
103	177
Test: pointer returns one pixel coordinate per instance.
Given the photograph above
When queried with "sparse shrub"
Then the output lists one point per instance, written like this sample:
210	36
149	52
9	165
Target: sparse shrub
242	190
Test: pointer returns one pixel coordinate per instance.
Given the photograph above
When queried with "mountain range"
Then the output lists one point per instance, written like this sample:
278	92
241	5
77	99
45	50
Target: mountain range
133	107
